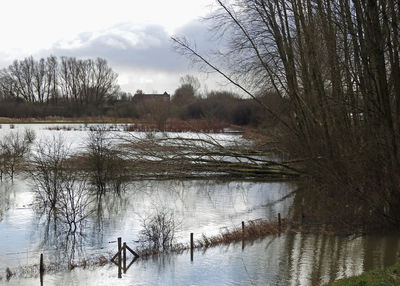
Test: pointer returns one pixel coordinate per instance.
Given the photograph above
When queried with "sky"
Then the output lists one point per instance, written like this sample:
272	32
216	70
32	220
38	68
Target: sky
134	36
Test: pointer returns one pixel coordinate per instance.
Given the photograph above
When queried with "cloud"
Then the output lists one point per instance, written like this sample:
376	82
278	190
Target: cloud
200	35
142	55
141	47
126	46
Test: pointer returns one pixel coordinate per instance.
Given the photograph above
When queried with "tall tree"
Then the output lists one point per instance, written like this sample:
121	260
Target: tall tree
337	64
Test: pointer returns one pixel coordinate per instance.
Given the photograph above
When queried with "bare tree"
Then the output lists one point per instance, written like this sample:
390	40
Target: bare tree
52	92
104	81
14	148
43	81
74	201
39	82
61	192
335	62
104	161
48	165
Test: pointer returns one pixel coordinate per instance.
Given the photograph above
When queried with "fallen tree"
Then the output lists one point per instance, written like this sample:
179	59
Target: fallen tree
200	155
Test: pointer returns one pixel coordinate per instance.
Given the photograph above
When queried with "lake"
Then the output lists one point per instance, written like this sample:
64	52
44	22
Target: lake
199	207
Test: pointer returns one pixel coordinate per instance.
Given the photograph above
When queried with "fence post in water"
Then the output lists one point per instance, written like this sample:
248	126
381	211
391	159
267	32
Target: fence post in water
242	235
119	258
279	221
191	246
41	267
124	256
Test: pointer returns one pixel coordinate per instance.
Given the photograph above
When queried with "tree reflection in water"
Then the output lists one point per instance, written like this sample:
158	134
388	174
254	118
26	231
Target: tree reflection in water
60	191
65	248
88	214
5	197
315	259
84	218
63	199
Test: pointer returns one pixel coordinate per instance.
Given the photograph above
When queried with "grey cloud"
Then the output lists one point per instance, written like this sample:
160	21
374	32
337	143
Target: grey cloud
126	46
200	34
139	52
129	46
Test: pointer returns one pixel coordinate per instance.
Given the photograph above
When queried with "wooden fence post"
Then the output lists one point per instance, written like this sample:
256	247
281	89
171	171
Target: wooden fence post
191	246
41	267
124	256
242	235
279	221
119	258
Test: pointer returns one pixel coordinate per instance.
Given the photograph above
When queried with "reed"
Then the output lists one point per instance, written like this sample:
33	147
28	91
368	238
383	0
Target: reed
253	230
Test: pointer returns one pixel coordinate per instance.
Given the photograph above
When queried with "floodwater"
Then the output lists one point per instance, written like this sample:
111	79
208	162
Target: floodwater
199	207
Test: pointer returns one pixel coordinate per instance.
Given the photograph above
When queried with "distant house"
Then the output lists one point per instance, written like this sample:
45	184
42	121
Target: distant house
144	97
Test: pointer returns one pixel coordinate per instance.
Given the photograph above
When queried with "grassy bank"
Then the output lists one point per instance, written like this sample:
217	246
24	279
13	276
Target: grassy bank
382	277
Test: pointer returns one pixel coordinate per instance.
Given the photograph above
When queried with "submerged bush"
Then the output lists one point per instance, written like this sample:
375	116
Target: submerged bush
158	230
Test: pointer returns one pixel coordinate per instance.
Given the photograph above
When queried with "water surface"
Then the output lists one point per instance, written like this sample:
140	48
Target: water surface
199	206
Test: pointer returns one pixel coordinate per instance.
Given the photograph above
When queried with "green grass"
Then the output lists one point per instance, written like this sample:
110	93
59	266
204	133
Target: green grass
382	277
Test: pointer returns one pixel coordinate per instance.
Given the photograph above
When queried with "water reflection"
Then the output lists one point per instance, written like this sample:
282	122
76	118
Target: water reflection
63	249
77	223
298	259
5	198
318	259
203	207
106	213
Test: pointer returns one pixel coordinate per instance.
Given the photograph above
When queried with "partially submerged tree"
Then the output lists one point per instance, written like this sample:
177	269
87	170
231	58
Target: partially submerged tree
105	164
74	202
48	164
337	64
13	149
61	192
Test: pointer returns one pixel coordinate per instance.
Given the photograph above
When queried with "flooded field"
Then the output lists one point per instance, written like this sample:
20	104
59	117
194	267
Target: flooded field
199	207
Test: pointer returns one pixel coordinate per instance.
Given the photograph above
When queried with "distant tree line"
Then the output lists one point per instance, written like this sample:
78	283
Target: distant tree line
70	87
188	103
66	81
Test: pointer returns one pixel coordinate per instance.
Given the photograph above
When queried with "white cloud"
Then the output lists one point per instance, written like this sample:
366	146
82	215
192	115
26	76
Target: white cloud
143	56
29	25
133	36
